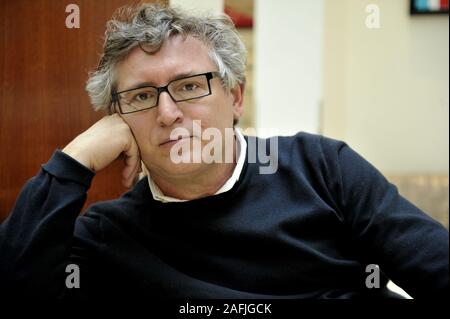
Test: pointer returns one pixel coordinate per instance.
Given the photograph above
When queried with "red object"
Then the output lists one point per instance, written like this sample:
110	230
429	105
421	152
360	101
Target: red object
444	4
240	20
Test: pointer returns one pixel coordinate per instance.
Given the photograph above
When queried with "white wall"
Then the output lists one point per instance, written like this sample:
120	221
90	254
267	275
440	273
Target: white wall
212	6
386	90
287	69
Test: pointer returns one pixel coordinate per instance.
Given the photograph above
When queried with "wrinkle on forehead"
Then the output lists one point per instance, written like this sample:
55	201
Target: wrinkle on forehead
177	55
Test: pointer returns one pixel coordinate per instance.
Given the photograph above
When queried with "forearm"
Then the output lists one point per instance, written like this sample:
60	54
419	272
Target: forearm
35	240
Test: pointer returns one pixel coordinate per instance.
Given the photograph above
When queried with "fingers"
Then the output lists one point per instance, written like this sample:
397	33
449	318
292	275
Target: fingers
128	180
130	153
132	163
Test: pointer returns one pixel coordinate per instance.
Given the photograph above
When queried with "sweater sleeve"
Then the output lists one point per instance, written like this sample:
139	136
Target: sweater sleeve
410	247
36	238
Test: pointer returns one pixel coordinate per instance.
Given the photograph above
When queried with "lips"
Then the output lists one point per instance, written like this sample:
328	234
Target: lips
169	140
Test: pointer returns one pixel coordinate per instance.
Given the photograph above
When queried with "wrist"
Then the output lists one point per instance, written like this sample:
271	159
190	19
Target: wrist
78	156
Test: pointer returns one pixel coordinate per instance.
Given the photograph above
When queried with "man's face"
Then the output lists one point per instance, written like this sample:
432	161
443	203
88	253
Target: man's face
152	127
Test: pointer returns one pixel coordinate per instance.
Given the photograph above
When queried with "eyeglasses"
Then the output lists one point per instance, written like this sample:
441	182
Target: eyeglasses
147	97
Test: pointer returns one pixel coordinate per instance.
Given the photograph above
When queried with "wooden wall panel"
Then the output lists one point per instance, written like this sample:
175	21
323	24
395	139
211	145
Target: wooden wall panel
43	104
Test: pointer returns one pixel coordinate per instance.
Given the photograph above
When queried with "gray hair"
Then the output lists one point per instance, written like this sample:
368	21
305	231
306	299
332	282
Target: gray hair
150	25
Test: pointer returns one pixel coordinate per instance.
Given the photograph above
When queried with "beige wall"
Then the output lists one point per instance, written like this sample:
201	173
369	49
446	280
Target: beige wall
288	65
386	89
200	6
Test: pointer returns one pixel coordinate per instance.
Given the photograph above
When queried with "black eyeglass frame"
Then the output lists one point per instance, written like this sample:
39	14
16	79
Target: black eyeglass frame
209	75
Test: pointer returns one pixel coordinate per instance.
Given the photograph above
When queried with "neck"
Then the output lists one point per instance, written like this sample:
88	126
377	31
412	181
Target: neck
206	182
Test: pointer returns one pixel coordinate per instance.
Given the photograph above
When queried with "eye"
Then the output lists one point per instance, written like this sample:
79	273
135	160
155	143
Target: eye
142	96
189	87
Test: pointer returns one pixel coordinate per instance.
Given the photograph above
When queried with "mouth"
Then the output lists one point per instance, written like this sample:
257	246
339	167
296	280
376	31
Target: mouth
170	142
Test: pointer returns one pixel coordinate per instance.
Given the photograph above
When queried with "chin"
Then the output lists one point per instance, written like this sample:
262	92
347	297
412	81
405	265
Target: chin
183	168
186	163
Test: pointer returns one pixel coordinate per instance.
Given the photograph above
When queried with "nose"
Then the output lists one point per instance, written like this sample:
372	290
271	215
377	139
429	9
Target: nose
168	111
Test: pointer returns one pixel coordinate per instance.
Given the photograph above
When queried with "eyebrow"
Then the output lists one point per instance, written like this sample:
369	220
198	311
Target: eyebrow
172	78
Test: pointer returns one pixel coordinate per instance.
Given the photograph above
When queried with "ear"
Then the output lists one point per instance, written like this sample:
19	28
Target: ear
237	95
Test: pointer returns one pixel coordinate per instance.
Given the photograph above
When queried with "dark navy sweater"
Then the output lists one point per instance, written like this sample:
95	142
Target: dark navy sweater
307	231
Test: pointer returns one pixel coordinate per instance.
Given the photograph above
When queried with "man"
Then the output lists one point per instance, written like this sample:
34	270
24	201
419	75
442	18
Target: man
199	228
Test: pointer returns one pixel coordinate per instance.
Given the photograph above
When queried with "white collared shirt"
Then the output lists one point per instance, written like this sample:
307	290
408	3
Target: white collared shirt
241	153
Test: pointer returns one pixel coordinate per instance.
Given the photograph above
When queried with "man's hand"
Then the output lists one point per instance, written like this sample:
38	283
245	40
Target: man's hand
102	143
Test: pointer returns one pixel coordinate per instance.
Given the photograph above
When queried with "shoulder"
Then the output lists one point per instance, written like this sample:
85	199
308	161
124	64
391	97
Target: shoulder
317	141
309	141
305	157
304	146
333	158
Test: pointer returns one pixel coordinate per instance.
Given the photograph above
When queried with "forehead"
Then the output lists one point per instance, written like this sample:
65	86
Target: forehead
177	55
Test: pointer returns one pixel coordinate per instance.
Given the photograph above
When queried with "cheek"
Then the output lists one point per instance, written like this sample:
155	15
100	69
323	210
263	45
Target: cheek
217	113
141	128
224	116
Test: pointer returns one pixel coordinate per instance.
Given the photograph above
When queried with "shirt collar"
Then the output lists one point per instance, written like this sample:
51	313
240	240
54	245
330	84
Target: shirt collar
241	153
